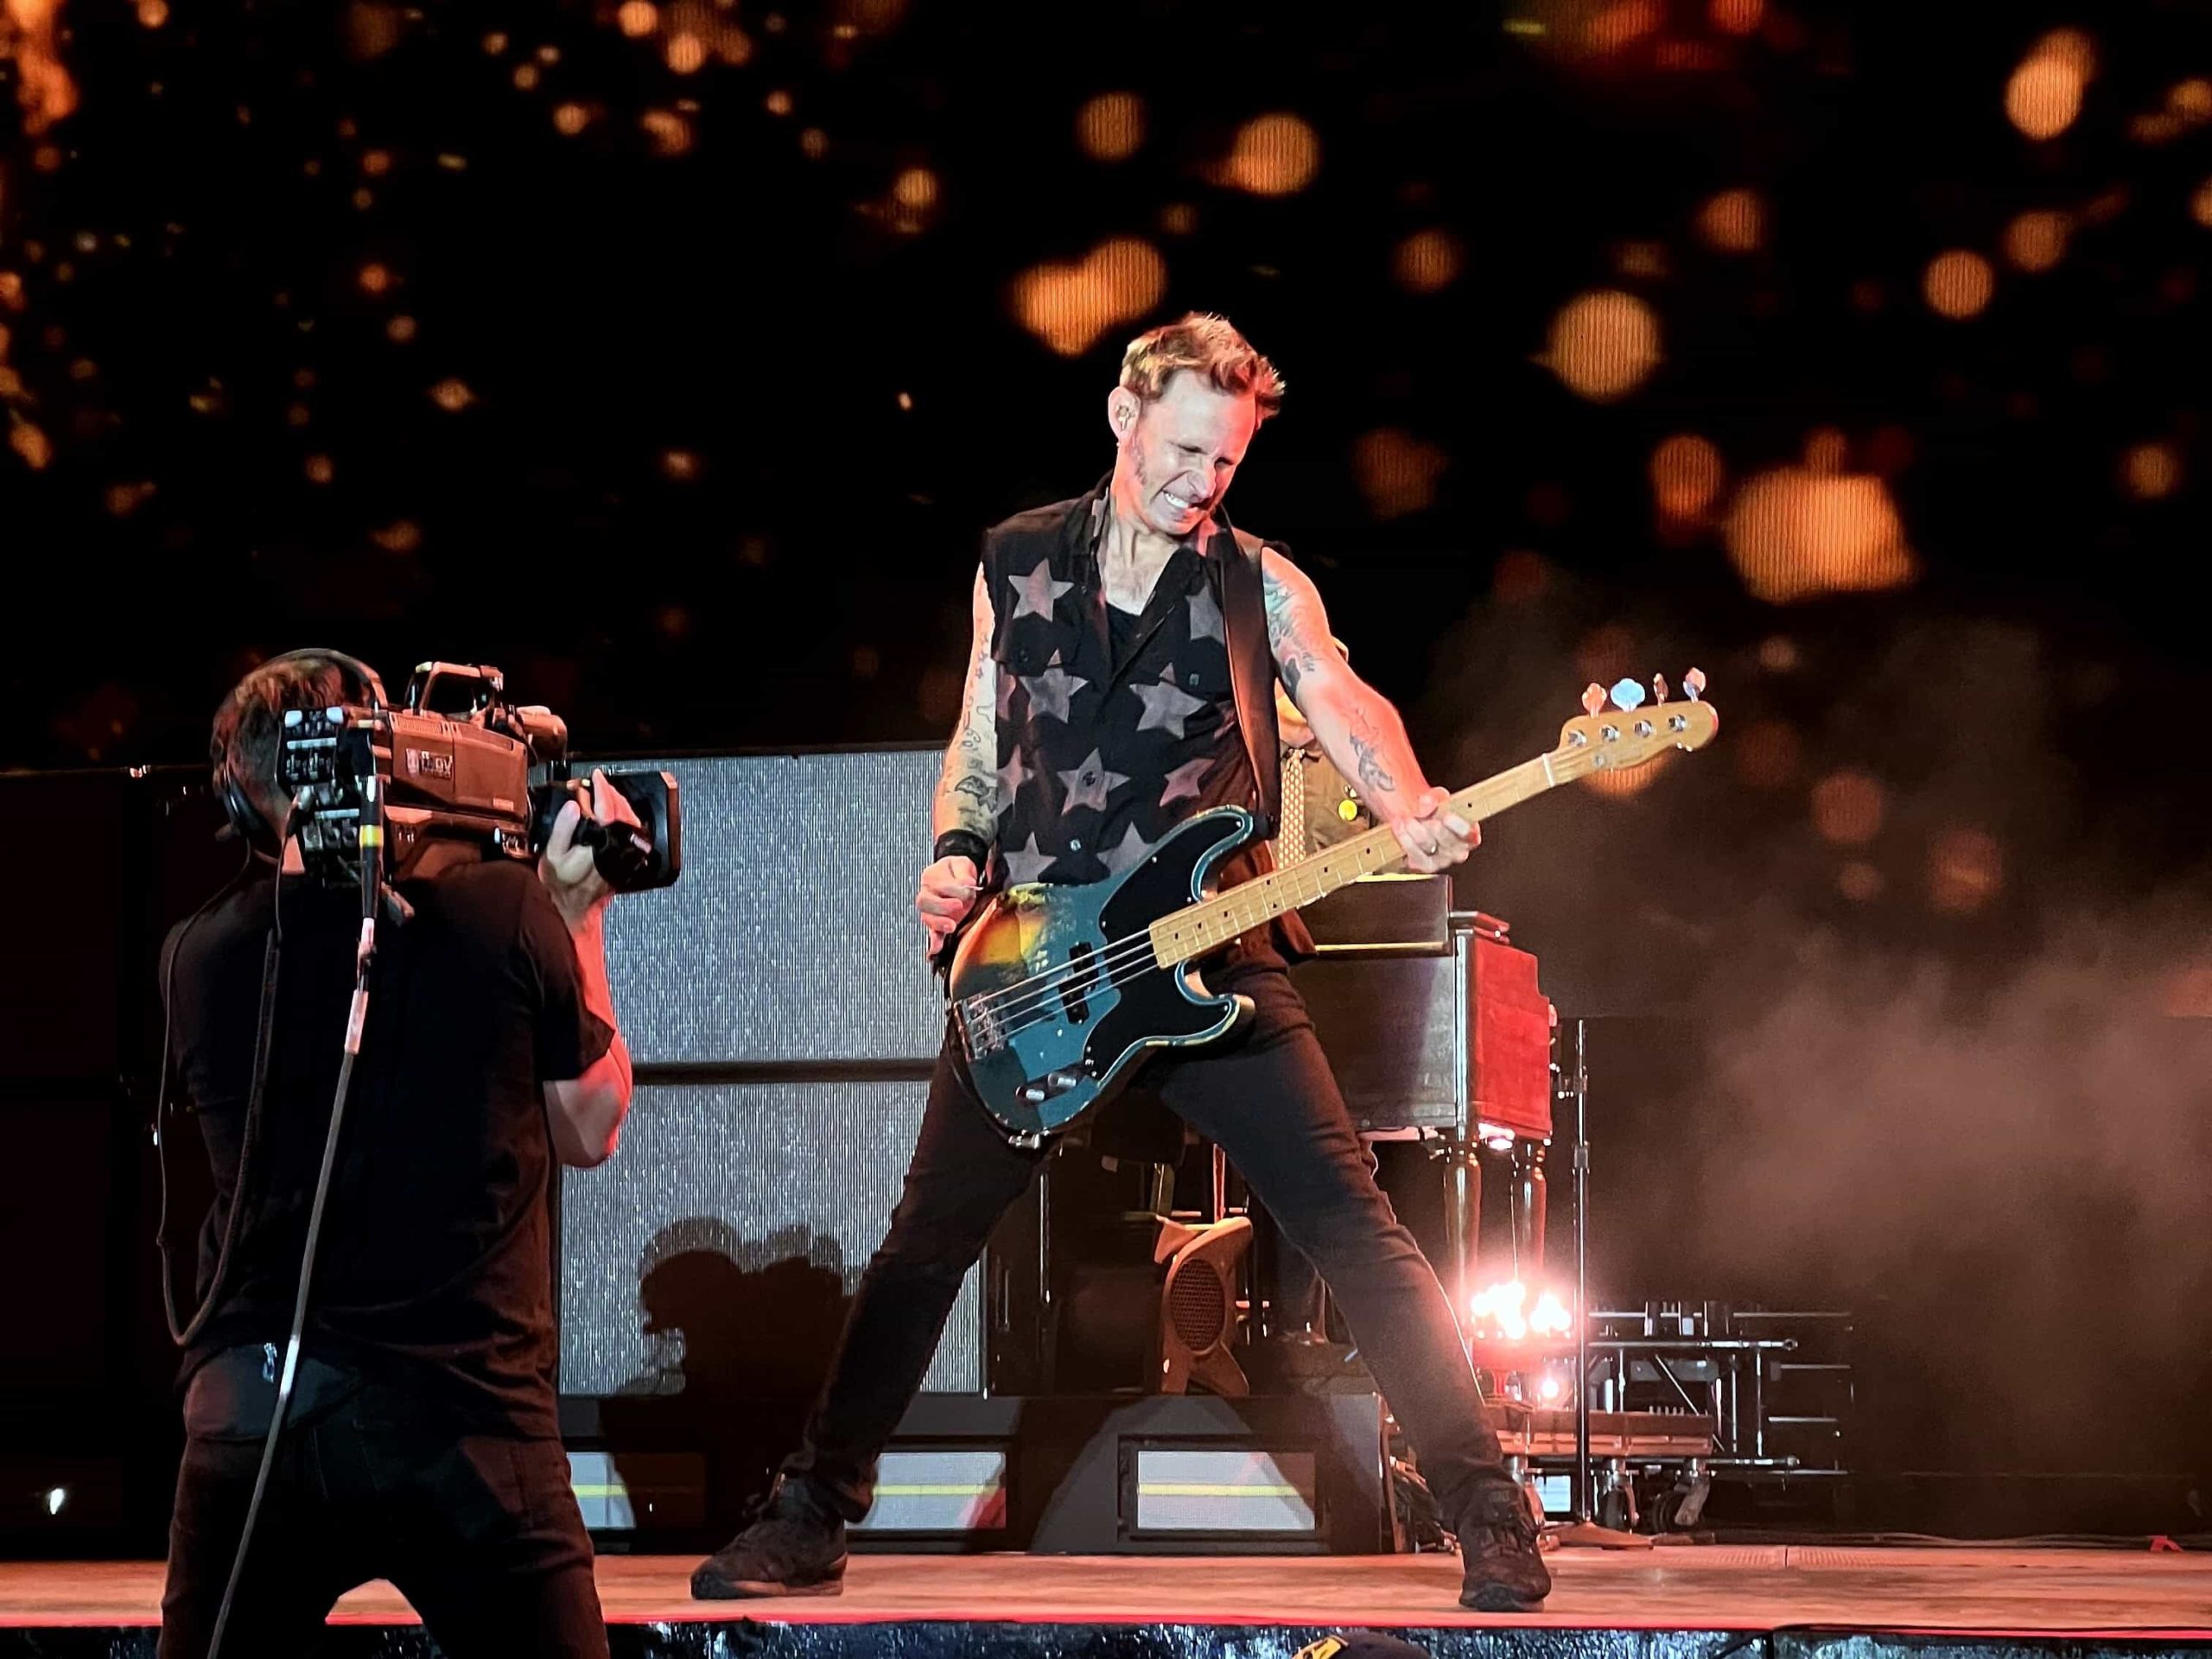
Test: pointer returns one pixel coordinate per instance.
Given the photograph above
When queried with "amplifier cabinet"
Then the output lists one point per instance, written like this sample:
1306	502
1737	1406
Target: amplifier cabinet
1457	1043
717	1251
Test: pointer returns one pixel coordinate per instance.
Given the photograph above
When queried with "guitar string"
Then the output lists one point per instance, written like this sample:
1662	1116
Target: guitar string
1040	987
1035	991
1035	995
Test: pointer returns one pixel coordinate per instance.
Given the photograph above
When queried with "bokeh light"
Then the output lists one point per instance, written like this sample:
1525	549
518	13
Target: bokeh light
2151	471
374	278
1736	16
2199	205
1825	451
1966	871
670	132
1603	344
1397	472
1734	221
452	395
1621	23
1768	754
686	53
1958	284
636	18
1793	534
152	14
1687	474
1110	127
571	119
1621	782
2036	241
1068	307
1847	808
1859	881
1427	261
915	190
1274	156
2044	94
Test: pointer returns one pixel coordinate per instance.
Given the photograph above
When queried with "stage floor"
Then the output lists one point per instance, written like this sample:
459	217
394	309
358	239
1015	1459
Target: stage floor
1702	1593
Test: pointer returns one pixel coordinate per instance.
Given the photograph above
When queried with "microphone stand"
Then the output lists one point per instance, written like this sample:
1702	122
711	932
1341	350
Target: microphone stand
1584	1529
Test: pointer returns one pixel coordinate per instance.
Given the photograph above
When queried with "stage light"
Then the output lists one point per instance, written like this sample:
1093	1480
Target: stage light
1110	127
1792	536
318	469
1603	344
1738	17
1397	472
2151	471
1274	156
525	77
636	18
1767	756
1733	222
1847	808
452	395
2200	206
1550	1317
670	132
55	1499
1859	881
399	330
1427	261
1686	475
1068	307
2044	94
571	119
1966	870
1958	284
686	53
152	14
1825	451
1618	25
915	190
1550	1388
374	279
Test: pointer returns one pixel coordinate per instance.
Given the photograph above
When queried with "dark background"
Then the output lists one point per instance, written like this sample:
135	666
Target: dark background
322	328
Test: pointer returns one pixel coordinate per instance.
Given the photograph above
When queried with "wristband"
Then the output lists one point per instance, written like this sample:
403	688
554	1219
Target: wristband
964	843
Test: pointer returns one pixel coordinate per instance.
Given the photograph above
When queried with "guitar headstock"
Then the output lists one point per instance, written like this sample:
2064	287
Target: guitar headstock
1618	732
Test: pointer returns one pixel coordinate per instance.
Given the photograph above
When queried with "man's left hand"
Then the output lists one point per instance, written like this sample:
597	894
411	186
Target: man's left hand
567	868
1434	838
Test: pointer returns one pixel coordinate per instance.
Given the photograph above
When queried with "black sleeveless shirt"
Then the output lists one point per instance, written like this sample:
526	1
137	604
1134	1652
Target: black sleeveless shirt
1103	751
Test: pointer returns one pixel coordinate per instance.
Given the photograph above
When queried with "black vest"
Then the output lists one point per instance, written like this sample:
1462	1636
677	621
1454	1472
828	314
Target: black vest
1097	760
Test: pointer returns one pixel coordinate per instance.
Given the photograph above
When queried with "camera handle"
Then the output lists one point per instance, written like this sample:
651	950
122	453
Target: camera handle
374	893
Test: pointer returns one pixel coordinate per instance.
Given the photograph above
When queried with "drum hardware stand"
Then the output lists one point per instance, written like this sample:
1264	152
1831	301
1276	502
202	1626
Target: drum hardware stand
1573	1083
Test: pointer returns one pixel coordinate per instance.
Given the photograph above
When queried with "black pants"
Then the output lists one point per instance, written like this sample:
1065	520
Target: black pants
481	1532
1267	1098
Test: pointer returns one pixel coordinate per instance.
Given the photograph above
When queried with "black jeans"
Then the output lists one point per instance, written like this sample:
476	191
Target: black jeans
481	1532
1266	1097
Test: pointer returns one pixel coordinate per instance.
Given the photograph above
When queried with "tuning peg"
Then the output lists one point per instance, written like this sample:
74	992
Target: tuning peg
1693	683
1658	688
1593	698
1628	695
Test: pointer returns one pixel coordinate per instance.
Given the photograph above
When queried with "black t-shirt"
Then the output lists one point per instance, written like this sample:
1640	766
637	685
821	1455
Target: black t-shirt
436	1262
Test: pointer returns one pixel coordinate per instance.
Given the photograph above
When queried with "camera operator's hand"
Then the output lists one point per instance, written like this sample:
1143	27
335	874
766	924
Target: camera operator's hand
567	868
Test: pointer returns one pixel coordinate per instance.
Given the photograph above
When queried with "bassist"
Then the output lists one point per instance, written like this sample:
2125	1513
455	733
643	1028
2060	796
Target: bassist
1117	684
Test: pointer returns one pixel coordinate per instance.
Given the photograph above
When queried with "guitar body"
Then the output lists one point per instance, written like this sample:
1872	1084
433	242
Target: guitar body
1042	1051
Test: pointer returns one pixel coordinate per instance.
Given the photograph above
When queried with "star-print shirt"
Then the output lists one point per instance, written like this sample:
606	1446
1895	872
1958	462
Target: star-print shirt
1099	758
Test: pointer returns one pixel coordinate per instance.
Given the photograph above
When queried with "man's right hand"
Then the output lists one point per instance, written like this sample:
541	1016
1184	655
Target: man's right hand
947	894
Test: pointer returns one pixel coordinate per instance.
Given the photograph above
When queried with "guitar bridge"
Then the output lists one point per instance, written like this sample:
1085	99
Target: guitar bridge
980	1032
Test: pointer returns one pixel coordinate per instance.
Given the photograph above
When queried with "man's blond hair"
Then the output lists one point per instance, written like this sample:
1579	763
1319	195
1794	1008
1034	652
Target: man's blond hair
1205	345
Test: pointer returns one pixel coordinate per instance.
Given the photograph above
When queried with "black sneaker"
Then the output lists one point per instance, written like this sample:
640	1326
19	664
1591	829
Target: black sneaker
1503	1572
791	1546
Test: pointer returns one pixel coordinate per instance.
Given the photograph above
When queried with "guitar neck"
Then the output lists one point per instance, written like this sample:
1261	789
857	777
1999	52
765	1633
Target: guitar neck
1198	928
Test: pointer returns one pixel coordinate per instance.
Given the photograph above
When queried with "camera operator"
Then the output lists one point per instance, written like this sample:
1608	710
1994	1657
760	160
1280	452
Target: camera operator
420	1443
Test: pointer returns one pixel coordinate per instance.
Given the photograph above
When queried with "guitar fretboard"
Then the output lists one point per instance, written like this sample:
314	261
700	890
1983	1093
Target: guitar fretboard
1196	929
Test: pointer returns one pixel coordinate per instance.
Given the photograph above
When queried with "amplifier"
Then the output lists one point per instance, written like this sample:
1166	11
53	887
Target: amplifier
1456	1042
783	1024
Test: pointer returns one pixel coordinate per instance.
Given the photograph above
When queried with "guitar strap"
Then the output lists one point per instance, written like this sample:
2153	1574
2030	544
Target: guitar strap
1252	681
1252	671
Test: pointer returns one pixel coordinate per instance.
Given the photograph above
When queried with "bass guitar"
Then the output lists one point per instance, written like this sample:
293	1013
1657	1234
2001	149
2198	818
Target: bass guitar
1057	991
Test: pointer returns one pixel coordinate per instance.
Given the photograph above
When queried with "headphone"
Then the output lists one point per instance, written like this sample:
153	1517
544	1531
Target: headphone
243	817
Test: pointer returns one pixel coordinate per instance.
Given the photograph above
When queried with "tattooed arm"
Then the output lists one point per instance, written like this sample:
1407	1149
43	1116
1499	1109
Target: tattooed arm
1358	729
966	786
